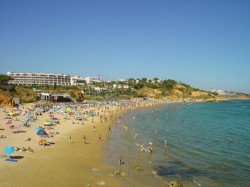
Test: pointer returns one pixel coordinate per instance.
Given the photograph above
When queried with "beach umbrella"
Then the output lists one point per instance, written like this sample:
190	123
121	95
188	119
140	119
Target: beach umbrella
68	109
42	132
38	128
8	150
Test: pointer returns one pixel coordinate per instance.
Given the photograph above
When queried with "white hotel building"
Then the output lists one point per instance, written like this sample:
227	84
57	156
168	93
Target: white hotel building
39	79
22	78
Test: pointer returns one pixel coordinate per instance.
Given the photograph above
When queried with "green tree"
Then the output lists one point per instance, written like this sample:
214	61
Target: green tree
4	79
169	84
138	86
55	86
144	80
155	80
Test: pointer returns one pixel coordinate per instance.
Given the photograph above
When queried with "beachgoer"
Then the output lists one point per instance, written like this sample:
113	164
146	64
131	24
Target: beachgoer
165	144
150	148
94	128
23	149
84	139
3	136
120	161
30	150
141	148
100	138
70	140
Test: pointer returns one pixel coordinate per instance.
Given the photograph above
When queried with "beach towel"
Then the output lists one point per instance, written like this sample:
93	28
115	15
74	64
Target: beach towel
10	160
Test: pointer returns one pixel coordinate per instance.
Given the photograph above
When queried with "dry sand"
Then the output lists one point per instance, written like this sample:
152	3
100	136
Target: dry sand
62	163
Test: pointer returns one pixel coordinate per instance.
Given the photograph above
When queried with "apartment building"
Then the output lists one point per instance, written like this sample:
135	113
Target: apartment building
39	79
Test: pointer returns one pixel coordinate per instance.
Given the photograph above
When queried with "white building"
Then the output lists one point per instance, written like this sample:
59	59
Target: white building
77	80
125	86
98	89
44	95
39	79
92	79
122	80
154	80
220	92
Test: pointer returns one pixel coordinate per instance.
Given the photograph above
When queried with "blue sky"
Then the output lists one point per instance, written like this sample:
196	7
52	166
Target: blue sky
202	43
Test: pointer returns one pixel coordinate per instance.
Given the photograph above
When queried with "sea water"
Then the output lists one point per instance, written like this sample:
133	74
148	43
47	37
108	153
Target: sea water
208	144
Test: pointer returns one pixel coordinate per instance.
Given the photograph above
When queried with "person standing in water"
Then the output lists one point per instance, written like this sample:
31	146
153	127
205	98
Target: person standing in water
120	162
165	145
150	148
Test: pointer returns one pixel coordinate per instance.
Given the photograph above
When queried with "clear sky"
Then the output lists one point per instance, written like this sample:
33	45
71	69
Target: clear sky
205	44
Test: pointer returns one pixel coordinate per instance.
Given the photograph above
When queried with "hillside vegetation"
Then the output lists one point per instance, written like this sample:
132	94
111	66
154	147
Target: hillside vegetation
166	89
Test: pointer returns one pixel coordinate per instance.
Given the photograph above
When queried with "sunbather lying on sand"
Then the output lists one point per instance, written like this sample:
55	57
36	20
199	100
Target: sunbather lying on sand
28	139
30	150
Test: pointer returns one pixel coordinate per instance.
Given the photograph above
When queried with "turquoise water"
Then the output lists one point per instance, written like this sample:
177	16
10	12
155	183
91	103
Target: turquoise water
208	143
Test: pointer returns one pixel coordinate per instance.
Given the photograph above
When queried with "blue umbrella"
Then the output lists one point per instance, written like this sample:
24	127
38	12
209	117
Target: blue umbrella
8	150
38	128
42	132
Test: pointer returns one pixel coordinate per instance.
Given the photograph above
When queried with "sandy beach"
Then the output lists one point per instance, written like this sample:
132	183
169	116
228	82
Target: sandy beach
60	163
